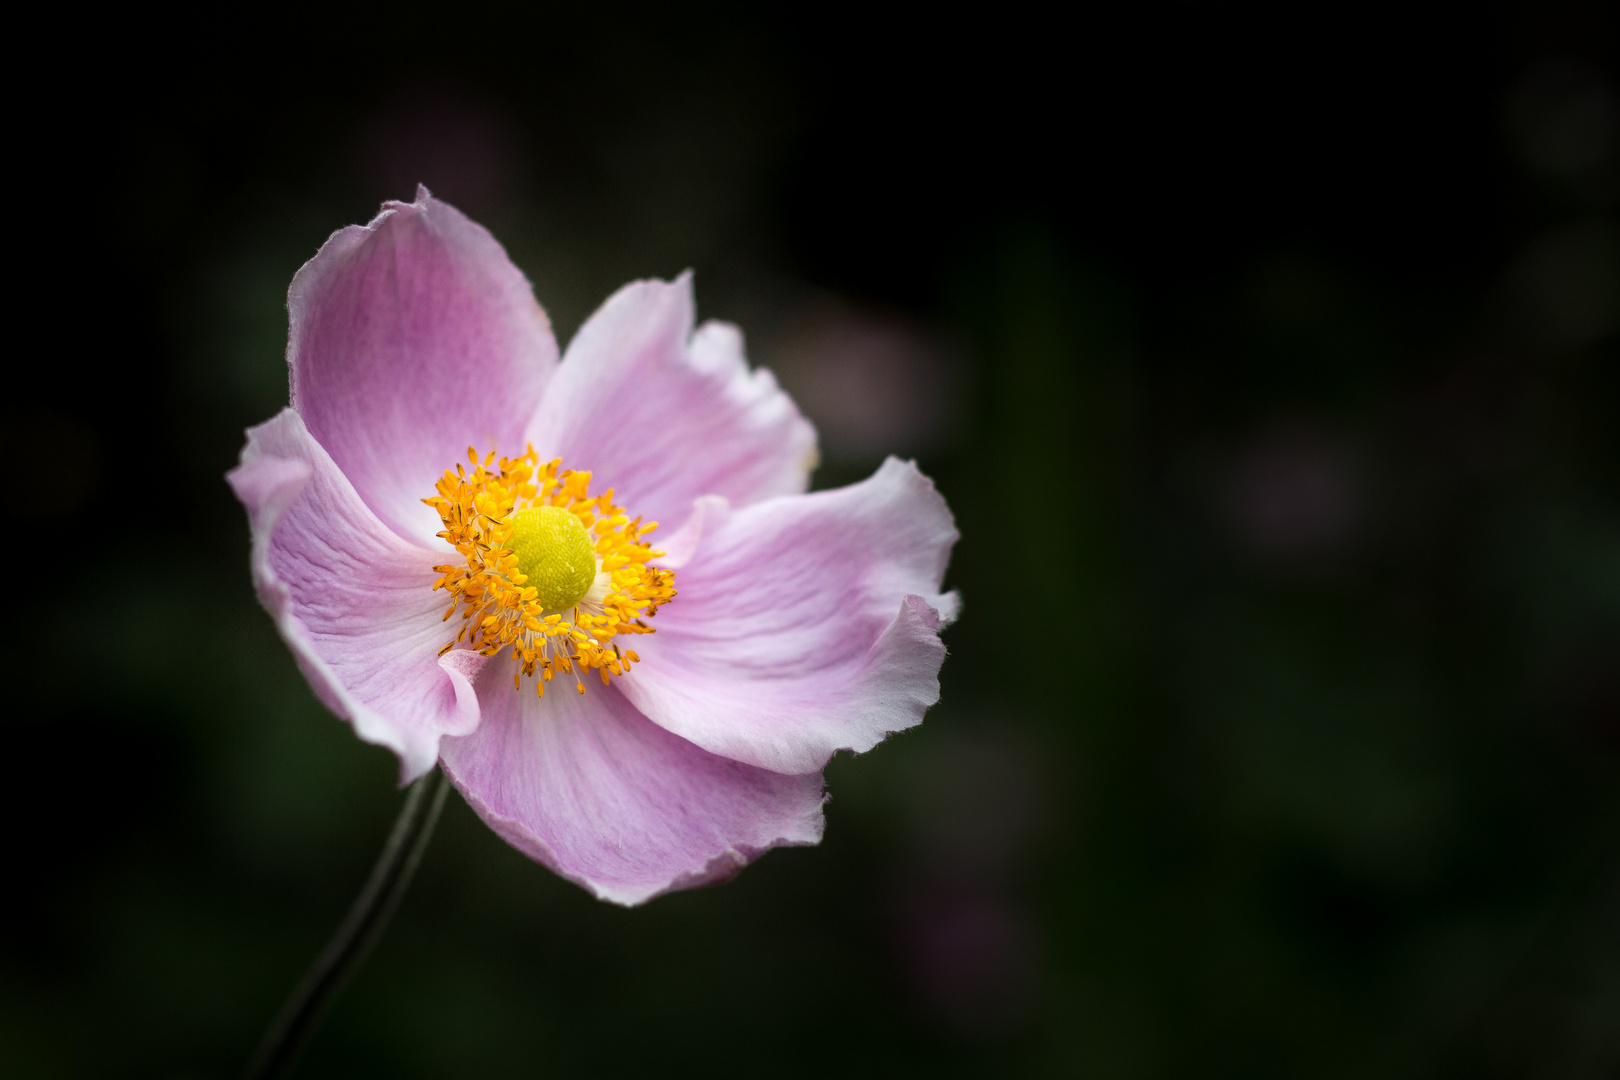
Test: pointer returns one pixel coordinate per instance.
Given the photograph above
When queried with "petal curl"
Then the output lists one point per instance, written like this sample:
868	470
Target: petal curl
352	599
412	338
593	790
662	414
804	625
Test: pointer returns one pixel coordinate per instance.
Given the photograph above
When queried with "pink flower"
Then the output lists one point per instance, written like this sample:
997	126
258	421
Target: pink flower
788	625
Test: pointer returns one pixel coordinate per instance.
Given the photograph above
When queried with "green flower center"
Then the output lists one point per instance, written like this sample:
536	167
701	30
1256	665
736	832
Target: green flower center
554	554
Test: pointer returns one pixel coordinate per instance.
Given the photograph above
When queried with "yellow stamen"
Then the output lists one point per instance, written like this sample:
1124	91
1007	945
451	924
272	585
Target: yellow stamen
550	571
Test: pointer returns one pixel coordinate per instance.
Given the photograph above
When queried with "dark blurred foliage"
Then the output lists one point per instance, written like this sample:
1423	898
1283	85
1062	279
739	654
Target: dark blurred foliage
1267	356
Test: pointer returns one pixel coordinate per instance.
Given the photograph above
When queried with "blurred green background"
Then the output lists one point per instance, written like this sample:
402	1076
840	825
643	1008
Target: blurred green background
1268	359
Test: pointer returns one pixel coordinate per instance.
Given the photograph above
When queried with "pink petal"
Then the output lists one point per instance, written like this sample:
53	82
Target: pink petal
413	338
353	600
590	788
803	625
663	415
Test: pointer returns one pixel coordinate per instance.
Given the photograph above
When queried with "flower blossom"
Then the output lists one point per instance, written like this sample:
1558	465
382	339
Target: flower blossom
453	528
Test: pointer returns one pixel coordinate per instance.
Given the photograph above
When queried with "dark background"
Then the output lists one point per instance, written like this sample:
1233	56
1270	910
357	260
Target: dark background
1268	358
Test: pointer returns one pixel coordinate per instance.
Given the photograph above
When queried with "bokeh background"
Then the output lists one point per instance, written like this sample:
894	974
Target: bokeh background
1268	358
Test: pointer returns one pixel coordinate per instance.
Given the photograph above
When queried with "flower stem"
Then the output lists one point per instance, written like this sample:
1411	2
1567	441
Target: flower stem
365	923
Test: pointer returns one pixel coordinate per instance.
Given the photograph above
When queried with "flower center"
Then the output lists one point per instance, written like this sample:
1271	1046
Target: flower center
548	571
555	555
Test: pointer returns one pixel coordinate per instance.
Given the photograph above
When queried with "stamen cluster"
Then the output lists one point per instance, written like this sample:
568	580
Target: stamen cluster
497	609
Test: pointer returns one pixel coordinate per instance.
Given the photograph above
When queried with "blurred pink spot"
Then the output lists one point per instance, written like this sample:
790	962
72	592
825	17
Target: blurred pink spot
972	958
974	804
454	143
873	383
1294	491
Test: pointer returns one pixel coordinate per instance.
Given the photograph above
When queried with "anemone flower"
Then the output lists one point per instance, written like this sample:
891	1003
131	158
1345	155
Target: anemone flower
452	528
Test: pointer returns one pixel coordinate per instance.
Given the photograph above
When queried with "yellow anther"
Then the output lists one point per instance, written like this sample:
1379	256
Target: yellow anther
550	571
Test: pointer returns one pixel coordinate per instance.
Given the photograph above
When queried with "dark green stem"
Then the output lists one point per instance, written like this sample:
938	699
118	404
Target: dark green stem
366	921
